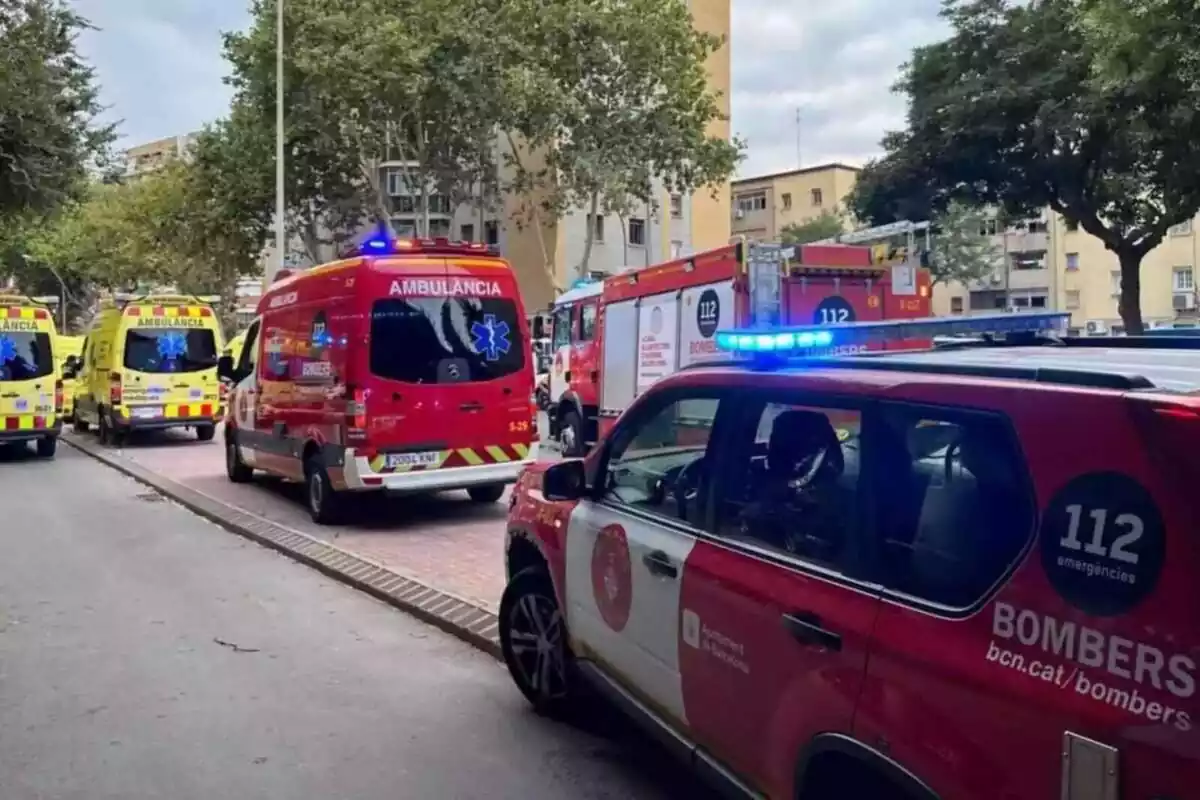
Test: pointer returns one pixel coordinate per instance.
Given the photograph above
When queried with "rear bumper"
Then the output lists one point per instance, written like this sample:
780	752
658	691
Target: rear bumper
359	476
161	423
28	434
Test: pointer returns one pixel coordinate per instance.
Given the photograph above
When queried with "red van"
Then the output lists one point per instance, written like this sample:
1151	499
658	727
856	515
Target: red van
405	368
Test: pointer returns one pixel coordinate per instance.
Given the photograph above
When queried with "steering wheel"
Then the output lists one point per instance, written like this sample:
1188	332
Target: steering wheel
686	485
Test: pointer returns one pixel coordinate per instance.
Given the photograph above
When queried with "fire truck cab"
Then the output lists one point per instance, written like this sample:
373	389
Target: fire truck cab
613	339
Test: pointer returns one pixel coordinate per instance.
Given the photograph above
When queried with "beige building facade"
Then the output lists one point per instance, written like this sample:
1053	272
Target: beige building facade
152	156
1054	266
762	206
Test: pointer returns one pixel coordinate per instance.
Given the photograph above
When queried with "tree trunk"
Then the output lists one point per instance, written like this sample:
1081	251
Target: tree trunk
1130	304
547	261
624	241
590	238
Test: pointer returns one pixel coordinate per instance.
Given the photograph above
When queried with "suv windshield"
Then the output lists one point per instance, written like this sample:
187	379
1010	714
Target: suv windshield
445	340
24	356
161	350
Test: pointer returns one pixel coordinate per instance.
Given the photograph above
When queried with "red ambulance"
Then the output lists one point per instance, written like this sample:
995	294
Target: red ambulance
406	368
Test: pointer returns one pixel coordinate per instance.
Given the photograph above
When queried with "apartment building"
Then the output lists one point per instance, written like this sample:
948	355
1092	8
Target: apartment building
764	205
1055	266
154	155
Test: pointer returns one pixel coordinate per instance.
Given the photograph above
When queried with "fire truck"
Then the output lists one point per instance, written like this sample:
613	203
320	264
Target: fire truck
612	339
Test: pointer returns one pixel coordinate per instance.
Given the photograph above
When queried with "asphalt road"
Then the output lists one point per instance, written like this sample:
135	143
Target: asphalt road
145	653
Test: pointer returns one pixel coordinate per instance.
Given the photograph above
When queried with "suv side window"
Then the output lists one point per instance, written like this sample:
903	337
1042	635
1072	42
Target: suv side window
955	507
791	481
660	463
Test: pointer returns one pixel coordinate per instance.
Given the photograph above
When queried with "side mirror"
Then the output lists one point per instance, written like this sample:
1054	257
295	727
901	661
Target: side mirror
225	368
70	367
566	480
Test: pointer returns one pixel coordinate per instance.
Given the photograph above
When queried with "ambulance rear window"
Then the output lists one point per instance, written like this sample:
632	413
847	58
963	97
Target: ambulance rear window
159	350
446	340
24	356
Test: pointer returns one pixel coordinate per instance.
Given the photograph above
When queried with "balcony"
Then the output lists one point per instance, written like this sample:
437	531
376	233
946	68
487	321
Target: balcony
1023	241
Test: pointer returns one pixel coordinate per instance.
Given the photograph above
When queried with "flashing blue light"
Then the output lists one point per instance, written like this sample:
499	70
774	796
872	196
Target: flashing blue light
792	341
376	245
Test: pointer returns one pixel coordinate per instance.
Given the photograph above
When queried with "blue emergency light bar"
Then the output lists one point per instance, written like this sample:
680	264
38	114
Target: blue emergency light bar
795	340
382	246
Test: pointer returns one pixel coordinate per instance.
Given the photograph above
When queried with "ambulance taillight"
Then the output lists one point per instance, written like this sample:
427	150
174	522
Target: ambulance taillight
356	414
533	414
114	388
58	396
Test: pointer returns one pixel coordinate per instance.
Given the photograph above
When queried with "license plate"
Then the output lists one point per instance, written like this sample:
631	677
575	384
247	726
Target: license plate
147	412
428	459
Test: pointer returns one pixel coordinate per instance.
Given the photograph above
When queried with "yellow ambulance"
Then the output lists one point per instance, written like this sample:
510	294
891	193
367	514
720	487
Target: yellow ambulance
31	389
67	353
150	363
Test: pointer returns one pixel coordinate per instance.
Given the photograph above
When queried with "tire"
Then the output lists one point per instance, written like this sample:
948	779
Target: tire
80	425
205	433
104	430
531	591
46	448
570	433
488	493
325	504
846	778
235	469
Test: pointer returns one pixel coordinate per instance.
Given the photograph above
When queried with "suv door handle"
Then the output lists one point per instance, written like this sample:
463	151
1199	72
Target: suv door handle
472	406
806	627
659	563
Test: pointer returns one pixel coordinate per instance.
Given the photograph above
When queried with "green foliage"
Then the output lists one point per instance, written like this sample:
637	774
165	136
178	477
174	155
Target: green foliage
602	99
595	101
48	107
826	225
960	251
171	227
1017	109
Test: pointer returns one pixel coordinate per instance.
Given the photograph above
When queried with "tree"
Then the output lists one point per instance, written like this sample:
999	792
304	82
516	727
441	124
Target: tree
960	252
376	80
1014	110
599	101
825	225
48	107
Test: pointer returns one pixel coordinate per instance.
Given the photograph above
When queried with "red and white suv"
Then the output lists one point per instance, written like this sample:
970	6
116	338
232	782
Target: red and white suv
968	573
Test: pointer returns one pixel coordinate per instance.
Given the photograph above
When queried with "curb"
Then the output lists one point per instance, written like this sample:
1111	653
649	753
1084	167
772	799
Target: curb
476	626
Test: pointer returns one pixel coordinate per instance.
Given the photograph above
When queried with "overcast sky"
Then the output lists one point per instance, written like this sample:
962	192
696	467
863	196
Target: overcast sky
160	67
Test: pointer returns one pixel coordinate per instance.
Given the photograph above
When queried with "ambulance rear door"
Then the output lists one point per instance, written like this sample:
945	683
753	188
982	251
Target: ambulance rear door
168	361
27	369
450	364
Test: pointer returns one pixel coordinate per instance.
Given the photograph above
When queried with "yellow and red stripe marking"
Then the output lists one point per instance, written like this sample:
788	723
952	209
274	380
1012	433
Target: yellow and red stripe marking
178	410
169	311
457	457
28	422
19	312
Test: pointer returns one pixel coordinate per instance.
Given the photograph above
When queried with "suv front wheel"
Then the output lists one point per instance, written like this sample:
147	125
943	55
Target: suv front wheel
533	639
